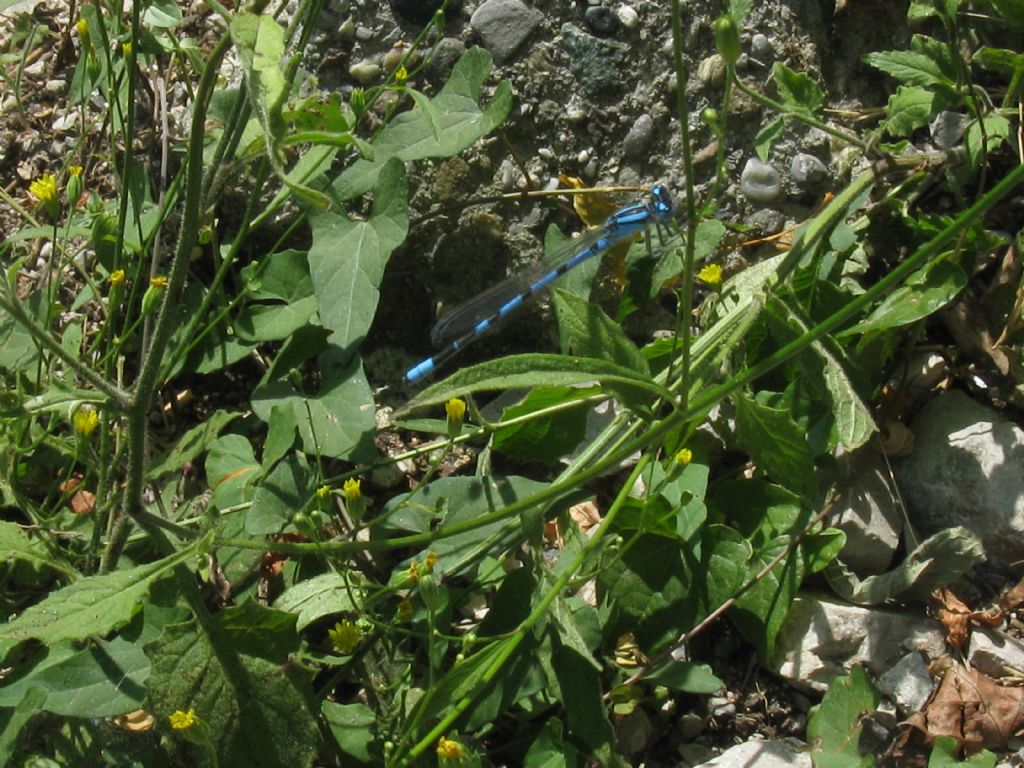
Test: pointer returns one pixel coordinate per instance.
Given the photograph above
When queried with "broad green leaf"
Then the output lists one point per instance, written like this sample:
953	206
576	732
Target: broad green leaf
17	544
523	371
725	554
684	677
550	749
259	40
985	137
925	291
834	727
937	561
587	330
231	470
257	704
946	754
272	322
282	276
760	611
285	491
323	595
909	109
796	90
769	132
190	445
94	605
854	422
102	680
13	720
354	727
910	68
348	257
581	689
163	14
338	420
549	437
776	443
999	60
411	135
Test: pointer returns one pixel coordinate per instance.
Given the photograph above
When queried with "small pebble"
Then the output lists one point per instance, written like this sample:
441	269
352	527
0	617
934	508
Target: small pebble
711	71
55	86
576	111
760	182
807	170
364	72
638	140
583	157
347	30
504	25
545	153
947	128
628	17
760	47
447	52
601	20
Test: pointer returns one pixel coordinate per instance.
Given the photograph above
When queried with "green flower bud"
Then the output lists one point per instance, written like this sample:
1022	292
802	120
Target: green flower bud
727	38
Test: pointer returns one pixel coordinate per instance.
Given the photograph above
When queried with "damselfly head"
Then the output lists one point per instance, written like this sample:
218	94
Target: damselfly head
661	201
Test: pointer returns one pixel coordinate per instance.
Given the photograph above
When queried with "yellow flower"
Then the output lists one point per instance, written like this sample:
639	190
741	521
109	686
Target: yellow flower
152	295
75	170
182	721
345	637
158	282
82	28
85	420
449	749
117	278
430	560
455	409
401	75
684	456
126	49
44	189
711	274
323	492
352	489
414	571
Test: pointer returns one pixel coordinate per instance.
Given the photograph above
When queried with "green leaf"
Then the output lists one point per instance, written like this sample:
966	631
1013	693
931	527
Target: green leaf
550	749
323	595
834	727
769	132
1011	10
581	689
909	109
726	554
523	371
946	751
190	445
549	437
95	605
776	443
338	420
797	91
910	68
684	677
926	291
981	143
285	491
103	680
854	422
348	257
163	14
412	136
257	705
354	727
937	561
587	330
17	544
760	611
231	470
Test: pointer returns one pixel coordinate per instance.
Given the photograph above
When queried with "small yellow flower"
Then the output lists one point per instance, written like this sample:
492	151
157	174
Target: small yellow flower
82	28
352	489
117	278
449	749
152	295
684	456
711	275
75	170
85	421
401	75
323	492
430	560
44	189
158	282
182	721
404	610
455	409
345	637
126	49
414	571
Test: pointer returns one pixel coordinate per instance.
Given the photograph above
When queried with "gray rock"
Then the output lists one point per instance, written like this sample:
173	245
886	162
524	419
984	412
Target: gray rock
779	753
364	72
711	71
807	171
821	639
868	512
995	653
504	25
595	63
637	143
601	20
947	128
967	469
448	51
760	182
907	682
628	16
761	47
